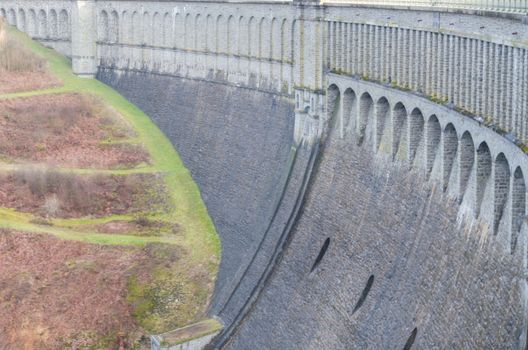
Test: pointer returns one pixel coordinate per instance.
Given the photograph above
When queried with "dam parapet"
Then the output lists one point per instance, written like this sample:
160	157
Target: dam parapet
283	47
286	47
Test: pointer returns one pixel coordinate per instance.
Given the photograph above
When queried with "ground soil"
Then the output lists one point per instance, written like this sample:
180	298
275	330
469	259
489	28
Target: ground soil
66	130
49	193
57	294
11	82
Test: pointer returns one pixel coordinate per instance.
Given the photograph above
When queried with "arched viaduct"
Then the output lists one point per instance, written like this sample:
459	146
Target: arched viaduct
433	93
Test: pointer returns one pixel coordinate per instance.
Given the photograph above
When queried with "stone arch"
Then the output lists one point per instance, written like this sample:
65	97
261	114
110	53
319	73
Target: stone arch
53	24
42	31
32	22
333	97
135	28
232	36
125	27
199	33
103	26
264	39
291	45
433	136
366	111
179	31
11	17
518	205
275	46
483	172
189	32
450	150
167	29
64	24
349	111
114	27
416	130
222	37
382	119
22	20
148	29
243	37
399	129
466	160
253	37
501	189
285	41
211	31
157	40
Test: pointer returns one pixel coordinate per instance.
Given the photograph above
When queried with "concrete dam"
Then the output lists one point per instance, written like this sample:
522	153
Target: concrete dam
363	162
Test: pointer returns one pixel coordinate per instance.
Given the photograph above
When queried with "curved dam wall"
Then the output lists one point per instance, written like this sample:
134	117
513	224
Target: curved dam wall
428	271
386	254
236	142
362	165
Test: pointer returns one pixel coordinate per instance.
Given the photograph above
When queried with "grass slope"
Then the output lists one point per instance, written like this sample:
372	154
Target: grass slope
196	234
189	209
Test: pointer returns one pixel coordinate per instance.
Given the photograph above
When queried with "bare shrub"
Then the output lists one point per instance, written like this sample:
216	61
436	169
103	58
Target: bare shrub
14	57
51	206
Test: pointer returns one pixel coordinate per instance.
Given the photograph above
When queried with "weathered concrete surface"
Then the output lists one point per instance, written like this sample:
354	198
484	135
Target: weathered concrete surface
236	143
446	276
449	280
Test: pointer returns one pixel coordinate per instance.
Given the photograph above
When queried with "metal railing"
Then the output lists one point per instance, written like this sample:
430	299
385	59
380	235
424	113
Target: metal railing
512	6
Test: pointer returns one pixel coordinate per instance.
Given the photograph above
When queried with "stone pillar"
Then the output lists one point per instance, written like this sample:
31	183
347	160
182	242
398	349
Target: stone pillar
309	41
84	38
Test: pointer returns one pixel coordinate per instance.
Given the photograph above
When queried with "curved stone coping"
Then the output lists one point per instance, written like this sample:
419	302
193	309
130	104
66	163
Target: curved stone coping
519	15
479	168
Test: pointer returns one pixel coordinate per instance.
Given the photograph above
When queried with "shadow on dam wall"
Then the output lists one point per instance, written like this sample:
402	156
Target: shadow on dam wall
376	259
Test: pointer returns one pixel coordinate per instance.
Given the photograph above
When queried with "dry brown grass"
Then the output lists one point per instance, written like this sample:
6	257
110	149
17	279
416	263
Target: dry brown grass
14	57
66	130
44	191
20	68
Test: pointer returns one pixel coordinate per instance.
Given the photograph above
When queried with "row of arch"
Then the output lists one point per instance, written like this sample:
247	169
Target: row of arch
257	37
485	78
41	24
406	133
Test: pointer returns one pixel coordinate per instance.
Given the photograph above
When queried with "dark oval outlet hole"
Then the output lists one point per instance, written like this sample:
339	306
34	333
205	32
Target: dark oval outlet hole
364	294
322	252
411	339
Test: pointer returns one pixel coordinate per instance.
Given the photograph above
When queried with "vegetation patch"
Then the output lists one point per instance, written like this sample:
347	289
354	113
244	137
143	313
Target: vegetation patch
140	226
20	68
57	294
50	193
104	236
164	299
73	130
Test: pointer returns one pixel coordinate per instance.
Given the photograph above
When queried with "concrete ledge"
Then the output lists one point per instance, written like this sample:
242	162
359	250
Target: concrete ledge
192	337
